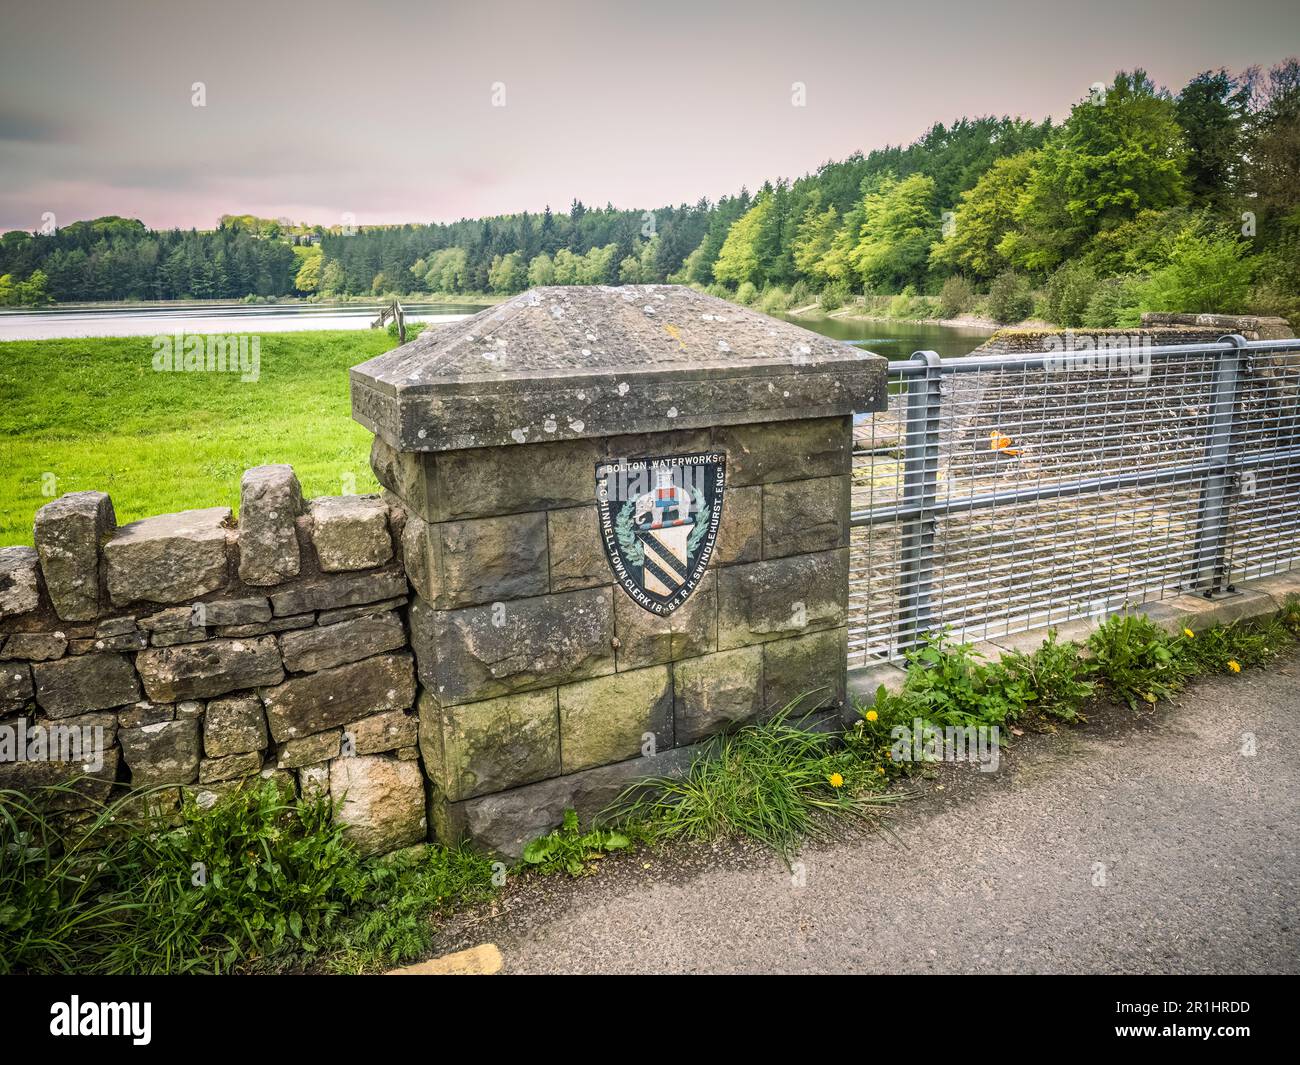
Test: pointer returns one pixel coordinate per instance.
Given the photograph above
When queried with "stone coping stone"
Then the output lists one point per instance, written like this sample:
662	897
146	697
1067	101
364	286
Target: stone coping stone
571	362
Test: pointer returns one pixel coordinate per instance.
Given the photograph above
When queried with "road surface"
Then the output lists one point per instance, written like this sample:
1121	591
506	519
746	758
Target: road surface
1135	844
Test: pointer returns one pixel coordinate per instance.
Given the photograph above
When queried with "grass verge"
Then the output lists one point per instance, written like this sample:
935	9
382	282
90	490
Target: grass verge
94	414
258	883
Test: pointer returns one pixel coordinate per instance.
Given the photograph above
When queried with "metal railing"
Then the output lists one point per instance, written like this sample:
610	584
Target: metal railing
1011	492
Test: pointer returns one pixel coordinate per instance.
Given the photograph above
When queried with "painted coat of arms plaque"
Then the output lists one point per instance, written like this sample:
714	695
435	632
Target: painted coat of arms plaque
659	519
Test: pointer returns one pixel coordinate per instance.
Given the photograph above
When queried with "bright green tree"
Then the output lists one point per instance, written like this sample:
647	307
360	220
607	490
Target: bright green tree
739	261
1119	153
985	215
541	271
308	276
899	225
508	274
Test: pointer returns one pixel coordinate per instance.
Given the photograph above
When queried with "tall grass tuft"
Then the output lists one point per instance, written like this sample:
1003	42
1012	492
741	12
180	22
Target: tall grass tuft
777	782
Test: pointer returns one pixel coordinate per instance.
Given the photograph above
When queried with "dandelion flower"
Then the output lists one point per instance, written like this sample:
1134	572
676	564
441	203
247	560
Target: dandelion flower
880	769
1150	698
1234	665
836	780
872	715
1189	634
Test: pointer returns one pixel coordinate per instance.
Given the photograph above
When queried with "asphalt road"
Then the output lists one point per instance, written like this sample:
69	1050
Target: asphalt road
1126	846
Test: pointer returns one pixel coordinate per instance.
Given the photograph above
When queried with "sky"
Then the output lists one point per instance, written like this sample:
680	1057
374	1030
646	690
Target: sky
391	111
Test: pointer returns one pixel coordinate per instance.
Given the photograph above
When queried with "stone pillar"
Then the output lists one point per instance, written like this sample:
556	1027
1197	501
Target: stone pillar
627	530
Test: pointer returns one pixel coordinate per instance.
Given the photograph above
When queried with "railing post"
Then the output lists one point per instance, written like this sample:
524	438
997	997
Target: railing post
920	490
1209	567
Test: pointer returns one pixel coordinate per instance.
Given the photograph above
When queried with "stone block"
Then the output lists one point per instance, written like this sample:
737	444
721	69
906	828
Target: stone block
83	737
322	647
86	682
230	767
319	747
812	669
115	627
646	639
505	821
168	559
766	600
383	806
606	719
350	613
669	442
786	451
34	646
129	641
476	748
270	501
388	731
173	619
68	534
205	670
421	545
145	713
165	753
577	557
89	784
19	592
483	482
178	636
16	687
481	652
715	692
332	590
314	781
408	476
486	560
801	517
350	532
333	697
234	724
264	628
254	610
740	535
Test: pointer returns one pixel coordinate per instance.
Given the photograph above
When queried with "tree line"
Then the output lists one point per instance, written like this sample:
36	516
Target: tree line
1140	199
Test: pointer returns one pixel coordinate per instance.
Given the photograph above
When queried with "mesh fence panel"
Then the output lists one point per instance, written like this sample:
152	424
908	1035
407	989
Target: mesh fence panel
1000	494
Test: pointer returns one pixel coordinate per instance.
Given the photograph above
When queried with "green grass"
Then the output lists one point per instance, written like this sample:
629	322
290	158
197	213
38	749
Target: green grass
95	415
257	883
774	781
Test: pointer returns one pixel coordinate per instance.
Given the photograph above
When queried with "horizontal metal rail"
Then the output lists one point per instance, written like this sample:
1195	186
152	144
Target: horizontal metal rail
1140	479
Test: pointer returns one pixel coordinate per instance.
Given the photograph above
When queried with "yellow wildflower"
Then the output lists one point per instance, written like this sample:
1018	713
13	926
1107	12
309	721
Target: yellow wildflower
836	780
1189	634
1150	698
1234	665
872	715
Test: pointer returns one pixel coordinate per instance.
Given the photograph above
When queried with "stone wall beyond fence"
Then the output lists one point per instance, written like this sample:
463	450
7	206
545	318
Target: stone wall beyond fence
1156	329
204	654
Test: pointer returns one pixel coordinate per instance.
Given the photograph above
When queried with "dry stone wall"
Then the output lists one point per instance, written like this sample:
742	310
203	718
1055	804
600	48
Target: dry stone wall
190	654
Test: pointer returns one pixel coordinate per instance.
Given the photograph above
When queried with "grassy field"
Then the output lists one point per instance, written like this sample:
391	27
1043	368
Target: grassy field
78	414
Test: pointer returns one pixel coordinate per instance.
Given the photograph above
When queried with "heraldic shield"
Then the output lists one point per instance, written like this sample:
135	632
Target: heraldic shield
659	520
